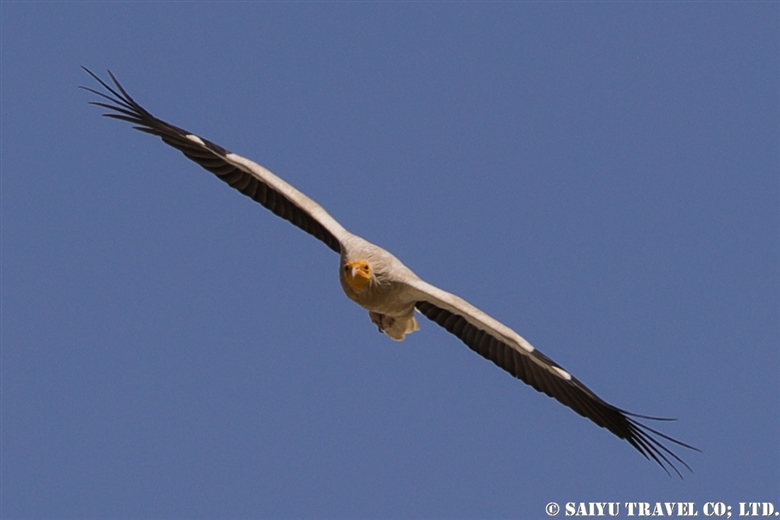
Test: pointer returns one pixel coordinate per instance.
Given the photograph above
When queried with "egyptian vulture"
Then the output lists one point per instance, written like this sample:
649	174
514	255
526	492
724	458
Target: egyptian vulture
376	280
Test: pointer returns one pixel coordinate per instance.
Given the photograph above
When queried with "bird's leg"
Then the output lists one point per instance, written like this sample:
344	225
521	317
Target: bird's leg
381	321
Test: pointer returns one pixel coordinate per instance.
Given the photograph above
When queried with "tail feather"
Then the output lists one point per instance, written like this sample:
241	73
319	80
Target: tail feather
401	327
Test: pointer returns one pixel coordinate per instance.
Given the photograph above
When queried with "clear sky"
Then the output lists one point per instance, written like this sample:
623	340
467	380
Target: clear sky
602	177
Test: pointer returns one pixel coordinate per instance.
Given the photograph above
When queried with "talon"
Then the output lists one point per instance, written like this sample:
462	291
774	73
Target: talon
376	319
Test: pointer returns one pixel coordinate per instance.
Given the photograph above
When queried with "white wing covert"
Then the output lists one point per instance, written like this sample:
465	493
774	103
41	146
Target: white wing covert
513	353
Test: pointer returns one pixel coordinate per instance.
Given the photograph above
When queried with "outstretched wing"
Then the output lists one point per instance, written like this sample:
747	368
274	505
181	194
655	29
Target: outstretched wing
510	351
246	176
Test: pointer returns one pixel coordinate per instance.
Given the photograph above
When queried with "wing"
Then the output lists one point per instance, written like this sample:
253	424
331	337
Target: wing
246	176
510	351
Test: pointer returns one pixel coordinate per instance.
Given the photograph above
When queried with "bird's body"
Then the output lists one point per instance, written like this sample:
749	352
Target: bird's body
379	282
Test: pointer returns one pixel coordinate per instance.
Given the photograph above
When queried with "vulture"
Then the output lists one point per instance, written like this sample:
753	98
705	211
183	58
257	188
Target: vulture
393	295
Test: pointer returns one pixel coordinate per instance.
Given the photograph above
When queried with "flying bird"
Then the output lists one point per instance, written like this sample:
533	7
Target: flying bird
377	281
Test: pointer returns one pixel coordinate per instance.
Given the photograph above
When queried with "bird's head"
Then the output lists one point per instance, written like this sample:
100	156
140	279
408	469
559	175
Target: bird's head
357	274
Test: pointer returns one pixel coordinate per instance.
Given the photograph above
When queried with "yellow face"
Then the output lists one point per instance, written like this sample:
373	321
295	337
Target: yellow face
357	274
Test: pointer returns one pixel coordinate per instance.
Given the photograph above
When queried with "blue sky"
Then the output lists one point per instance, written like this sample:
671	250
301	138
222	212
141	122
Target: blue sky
601	177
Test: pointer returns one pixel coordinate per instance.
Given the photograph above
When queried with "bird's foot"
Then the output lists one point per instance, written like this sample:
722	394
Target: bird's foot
381	321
